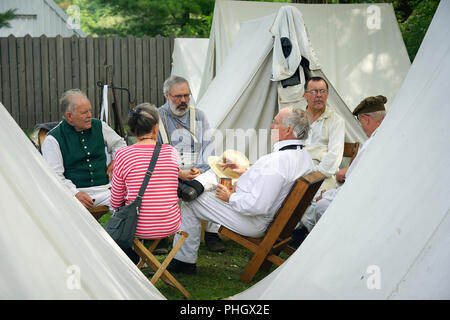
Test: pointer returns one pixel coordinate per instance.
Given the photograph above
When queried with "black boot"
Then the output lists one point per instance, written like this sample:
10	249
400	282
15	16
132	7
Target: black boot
162	247
177	266
298	236
132	255
213	242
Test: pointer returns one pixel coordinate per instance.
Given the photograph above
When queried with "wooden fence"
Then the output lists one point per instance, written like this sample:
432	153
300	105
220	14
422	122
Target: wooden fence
34	72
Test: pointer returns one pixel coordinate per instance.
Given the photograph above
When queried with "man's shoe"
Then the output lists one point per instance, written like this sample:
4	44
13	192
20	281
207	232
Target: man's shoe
177	266
213	242
161	248
298	235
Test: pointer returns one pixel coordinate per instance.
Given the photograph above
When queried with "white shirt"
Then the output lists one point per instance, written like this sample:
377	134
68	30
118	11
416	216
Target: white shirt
261	190
359	154
52	153
325	142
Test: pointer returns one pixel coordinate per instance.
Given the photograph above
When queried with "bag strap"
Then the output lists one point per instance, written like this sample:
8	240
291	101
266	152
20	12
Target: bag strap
149	172
192	123
162	128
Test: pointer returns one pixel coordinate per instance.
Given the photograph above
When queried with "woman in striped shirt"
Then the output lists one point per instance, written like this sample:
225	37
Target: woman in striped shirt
159	215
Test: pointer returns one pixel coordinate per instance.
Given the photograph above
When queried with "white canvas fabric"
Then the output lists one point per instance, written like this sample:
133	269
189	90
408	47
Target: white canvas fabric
242	99
359	46
188	61
50	245
385	235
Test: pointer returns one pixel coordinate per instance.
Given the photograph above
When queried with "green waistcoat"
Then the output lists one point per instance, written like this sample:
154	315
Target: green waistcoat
83	154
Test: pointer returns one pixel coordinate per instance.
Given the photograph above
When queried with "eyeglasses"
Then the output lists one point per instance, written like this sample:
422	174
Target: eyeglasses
322	91
179	96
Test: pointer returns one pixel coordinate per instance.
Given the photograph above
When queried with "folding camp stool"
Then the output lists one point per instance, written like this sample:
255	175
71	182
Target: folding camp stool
160	268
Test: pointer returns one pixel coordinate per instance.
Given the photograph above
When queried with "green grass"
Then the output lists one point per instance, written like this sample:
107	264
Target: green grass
217	274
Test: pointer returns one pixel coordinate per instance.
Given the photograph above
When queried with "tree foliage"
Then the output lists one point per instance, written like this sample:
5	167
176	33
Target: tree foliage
5	17
415	25
153	17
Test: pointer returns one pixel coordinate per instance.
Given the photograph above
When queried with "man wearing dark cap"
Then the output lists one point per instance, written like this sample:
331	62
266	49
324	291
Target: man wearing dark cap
370	113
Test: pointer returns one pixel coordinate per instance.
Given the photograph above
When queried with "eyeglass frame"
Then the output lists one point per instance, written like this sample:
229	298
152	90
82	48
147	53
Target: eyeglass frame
178	97
314	91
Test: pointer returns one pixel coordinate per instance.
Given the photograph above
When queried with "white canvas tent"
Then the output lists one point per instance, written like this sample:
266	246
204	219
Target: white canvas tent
359	46
243	97
50	245
188	61
386	234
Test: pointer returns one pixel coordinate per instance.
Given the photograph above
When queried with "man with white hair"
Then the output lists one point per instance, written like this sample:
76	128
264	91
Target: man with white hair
187	129
370	114
260	190
75	150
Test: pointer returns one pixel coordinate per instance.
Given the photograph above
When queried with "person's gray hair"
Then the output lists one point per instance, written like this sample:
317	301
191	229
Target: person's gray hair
171	81
298	120
377	115
66	102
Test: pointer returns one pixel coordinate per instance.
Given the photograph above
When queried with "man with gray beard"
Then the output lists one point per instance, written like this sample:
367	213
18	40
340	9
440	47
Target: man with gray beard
187	129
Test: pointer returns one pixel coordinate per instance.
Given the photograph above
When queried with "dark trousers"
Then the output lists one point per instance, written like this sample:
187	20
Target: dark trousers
132	255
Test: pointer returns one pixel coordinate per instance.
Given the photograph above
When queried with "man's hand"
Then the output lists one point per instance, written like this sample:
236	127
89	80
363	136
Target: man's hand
189	174
321	195
233	166
109	170
85	199
340	175
223	193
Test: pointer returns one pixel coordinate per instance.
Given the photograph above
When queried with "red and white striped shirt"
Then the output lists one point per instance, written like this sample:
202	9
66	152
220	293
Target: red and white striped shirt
159	215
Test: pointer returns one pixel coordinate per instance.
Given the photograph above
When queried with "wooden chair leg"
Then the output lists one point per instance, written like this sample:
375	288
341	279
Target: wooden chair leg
266	265
253	267
151	248
169	256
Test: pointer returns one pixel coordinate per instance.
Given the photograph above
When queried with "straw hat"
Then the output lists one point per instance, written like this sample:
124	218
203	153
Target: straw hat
232	156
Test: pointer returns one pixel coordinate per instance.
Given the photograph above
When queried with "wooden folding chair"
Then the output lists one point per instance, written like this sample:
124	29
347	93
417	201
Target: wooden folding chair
266	249
351	150
160	268
99	211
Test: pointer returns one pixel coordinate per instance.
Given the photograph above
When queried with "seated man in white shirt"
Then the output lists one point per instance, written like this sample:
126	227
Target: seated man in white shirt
258	194
325	142
370	113
75	150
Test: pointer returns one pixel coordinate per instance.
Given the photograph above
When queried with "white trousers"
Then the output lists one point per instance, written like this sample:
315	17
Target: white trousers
208	207
208	179
101	194
317	208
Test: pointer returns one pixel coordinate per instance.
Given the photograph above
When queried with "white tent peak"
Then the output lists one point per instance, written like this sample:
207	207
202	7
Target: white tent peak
359	46
242	99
